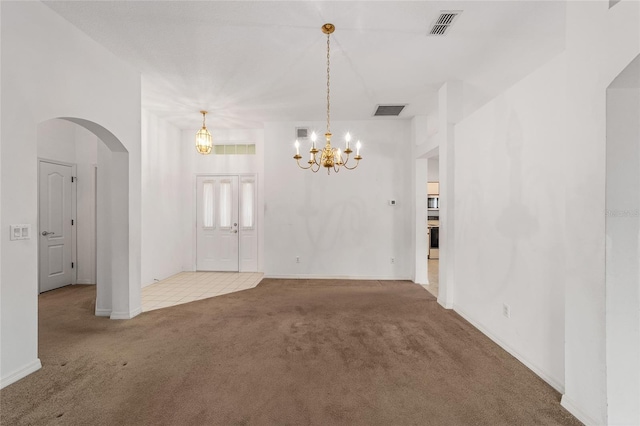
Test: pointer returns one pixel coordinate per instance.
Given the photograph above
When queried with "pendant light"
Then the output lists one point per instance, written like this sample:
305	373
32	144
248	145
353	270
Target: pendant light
204	142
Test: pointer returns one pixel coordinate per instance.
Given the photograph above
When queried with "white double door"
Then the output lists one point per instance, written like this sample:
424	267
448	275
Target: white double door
226	226
55	203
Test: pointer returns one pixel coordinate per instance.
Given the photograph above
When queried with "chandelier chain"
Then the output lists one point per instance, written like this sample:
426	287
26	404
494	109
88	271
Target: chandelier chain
328	88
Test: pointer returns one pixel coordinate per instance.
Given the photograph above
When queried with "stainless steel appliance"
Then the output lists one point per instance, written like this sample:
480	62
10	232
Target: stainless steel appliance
434	237
433	202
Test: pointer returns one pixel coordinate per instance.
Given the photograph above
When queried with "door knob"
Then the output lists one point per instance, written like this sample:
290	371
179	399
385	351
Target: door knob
235	224
45	233
235	231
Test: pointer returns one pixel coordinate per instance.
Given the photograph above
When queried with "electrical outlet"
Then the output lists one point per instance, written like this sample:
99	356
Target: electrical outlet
297	259
393	260
506	310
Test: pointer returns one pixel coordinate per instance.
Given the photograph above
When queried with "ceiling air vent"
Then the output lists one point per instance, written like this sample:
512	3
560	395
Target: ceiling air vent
388	110
443	22
302	133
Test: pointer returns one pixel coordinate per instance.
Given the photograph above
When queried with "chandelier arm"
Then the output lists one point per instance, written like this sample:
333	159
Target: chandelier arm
303	168
344	162
351	168
314	163
357	158
298	161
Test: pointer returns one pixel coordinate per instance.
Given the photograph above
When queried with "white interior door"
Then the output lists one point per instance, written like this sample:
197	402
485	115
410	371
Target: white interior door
217	223
55	229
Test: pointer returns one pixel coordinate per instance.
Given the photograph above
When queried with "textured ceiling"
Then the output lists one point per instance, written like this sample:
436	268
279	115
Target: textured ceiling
248	62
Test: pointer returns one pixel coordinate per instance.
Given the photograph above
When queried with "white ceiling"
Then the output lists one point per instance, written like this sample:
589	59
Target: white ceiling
248	62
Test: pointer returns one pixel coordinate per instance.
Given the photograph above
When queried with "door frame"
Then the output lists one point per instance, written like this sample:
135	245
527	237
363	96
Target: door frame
74	194
256	195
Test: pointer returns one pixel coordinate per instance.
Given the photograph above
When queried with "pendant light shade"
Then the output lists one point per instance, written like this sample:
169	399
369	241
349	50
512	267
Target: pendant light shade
204	142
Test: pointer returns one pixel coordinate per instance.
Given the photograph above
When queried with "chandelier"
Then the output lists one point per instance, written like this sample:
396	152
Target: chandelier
204	143
330	158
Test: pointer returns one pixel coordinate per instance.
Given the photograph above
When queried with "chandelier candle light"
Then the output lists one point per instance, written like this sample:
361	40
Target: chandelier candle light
204	142
330	157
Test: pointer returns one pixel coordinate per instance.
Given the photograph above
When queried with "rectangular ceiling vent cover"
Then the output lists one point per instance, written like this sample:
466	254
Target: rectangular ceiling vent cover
388	110
302	133
443	22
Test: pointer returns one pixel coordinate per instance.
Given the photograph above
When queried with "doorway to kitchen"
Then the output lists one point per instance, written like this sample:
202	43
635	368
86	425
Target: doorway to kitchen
433	224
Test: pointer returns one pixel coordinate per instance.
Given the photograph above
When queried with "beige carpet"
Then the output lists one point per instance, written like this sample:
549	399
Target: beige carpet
288	352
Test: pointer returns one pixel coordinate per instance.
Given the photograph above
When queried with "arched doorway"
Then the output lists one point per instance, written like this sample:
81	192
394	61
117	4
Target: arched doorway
117	296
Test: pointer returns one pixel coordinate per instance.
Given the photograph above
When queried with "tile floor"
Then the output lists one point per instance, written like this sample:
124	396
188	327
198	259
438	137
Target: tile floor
189	286
434	271
434	253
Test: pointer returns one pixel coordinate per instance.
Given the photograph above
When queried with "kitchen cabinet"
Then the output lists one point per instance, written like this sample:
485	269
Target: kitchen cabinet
433	188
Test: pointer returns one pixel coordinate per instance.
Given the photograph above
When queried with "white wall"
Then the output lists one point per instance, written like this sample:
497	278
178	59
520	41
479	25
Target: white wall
419	135
87	161
450	107
57	141
537	153
622	253
197	164
340	225
162	186
104	271
509	236
50	69
601	42
434	169
36	364
420	244
63	141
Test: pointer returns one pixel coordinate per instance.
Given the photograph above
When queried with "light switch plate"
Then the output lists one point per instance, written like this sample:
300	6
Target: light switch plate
20	232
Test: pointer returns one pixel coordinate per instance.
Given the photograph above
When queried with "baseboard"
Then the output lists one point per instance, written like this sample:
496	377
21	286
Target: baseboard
539	372
21	373
572	407
103	312
336	277
446	305
86	281
126	314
